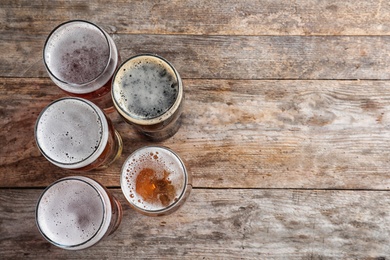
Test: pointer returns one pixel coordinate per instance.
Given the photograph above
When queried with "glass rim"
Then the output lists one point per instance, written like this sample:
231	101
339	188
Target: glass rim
183	191
100	147
158	119
76	178
66	23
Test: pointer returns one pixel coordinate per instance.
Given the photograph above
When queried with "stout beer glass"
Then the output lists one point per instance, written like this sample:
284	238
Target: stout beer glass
148	93
81	59
155	181
73	133
77	212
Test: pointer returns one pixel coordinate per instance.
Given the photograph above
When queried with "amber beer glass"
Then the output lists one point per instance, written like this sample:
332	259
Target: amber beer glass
81	59
74	134
77	212
148	93
155	181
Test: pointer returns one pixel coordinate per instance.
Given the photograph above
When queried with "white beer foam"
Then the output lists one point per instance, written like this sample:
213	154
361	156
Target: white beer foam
70	212
77	52
71	132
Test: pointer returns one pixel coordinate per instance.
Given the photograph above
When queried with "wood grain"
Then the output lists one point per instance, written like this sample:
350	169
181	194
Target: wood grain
272	224
235	134
247	17
230	57
286	127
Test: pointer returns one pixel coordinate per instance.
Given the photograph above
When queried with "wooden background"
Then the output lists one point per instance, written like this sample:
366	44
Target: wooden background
286	127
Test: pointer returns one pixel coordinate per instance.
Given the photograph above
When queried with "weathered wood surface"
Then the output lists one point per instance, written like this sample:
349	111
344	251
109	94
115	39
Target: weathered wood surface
235	134
286	127
220	17
230	57
241	224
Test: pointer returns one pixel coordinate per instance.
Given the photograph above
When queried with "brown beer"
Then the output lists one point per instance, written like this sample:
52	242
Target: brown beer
81	59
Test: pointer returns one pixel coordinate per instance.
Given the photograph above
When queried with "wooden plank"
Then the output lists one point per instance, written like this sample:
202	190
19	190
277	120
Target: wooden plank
250	224
235	134
247	17
230	57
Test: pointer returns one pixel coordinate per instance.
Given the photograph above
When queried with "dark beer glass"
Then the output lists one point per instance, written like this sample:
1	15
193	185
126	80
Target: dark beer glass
75	134
81	59
155	181
77	212
148	93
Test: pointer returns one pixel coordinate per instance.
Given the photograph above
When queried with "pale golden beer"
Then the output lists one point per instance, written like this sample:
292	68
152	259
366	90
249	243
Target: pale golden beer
75	134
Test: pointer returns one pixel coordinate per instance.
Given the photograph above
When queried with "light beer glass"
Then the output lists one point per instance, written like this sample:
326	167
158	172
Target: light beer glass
75	134
77	212
81	59
155	181
148	93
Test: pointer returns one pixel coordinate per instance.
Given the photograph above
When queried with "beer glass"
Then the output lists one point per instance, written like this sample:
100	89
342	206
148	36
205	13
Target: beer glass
74	134
81	59
77	212
148	93
155	181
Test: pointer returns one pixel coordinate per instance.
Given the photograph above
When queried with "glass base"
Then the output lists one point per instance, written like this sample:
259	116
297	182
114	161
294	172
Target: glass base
118	217
118	151
163	134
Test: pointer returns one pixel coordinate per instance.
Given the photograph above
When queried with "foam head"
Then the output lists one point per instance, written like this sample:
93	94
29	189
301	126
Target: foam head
145	87
153	179
71	132
76	52
73	213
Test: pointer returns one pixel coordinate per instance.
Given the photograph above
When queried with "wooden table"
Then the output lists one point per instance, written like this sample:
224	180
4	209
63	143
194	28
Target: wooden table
286	127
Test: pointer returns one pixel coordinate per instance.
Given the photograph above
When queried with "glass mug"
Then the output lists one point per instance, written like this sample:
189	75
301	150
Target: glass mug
75	134
148	93
81	59
77	212
155	181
